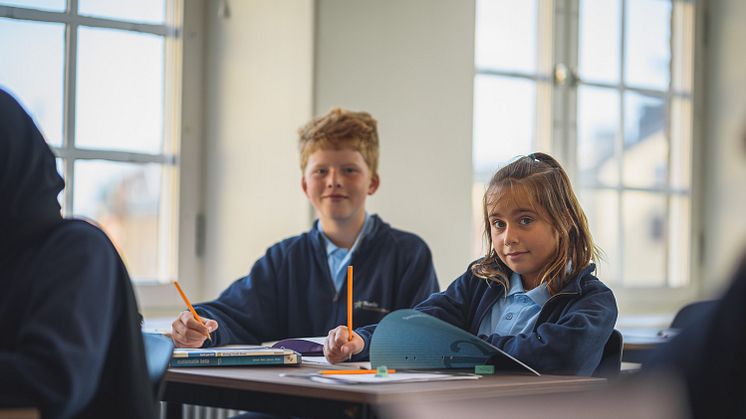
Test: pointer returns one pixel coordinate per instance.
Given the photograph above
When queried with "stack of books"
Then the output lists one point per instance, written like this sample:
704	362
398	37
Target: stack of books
234	356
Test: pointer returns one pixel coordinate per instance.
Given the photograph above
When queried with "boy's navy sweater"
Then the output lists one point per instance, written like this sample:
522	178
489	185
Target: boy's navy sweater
290	292
569	334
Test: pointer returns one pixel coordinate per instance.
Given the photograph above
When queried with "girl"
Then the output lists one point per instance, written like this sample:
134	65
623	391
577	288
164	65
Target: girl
533	295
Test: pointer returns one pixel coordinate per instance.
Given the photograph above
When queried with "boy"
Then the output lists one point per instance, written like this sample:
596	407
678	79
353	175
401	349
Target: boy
296	288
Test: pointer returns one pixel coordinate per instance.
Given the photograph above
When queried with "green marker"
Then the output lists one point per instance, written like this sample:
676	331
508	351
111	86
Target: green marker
484	369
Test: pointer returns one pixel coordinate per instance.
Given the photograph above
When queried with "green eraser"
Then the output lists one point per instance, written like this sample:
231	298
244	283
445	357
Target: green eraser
484	369
382	371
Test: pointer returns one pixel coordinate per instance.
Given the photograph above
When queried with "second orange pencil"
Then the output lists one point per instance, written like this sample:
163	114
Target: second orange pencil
349	302
352	372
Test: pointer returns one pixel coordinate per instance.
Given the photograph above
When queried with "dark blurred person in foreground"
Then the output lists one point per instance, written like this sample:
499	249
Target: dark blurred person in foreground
71	344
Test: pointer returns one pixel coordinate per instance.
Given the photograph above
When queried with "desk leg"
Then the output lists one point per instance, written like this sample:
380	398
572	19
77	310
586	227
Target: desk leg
174	410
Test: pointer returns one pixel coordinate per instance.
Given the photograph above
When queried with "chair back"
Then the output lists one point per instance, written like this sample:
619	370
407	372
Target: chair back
158	350
611	360
690	312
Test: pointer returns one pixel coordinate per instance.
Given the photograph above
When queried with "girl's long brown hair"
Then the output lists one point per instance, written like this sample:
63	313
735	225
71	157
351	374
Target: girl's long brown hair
549	190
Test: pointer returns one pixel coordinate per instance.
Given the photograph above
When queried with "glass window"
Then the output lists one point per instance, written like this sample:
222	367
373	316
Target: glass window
51	5
599	40
99	99
119	90
506	41
149	11
125	199
32	69
503	120
622	128
648	43
602	209
645	141
644	238
598	128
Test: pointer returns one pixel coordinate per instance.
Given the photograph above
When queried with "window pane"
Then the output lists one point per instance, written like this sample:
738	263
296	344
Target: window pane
598	122
647	43
506	35
149	11
599	40
32	67
644	239
124	199
119	91
645	142
52	5
504	110
602	209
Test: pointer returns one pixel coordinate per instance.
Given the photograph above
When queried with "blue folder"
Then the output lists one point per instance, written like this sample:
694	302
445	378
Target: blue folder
409	339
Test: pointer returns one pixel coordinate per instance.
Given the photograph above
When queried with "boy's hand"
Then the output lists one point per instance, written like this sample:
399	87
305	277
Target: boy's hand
187	332
338	347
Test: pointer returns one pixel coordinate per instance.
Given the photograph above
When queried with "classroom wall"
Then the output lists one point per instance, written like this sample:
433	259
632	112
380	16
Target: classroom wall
410	64
258	91
725	148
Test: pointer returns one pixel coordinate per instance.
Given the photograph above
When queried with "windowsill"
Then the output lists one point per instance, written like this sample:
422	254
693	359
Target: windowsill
158	299
655	321
160	325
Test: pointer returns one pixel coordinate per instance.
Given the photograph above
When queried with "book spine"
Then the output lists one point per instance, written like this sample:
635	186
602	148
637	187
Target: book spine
212	354
235	361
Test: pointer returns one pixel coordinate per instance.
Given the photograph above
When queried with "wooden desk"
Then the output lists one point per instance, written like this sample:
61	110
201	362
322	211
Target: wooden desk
637	347
262	389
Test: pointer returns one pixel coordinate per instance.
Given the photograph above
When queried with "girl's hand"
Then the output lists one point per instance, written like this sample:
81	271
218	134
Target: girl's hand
338	347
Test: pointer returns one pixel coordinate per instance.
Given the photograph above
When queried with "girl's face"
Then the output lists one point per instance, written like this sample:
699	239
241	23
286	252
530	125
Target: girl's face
522	238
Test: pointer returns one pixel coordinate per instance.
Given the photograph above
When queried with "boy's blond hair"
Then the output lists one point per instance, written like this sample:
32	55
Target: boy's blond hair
338	129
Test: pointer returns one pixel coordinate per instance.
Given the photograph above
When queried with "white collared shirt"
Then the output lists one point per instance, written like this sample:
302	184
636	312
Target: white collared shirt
338	257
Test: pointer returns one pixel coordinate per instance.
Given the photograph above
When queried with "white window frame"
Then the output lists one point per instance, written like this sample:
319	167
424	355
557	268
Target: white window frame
178	206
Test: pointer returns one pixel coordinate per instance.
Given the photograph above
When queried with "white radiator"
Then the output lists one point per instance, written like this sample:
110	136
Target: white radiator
202	412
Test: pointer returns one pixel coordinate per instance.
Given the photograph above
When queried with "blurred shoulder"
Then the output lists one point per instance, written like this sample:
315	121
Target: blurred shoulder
77	234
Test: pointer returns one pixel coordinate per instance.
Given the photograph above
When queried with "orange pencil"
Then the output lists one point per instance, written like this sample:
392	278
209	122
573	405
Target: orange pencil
351	372
349	302
189	305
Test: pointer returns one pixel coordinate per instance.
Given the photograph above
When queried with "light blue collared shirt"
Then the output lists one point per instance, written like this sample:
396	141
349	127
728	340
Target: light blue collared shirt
339	257
517	313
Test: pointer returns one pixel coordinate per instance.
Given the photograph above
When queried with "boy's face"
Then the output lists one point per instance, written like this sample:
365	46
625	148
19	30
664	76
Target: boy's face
337	183
523	239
